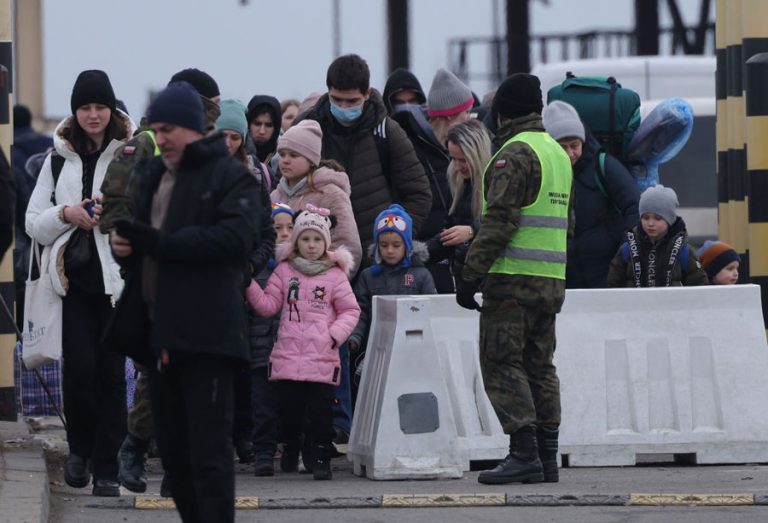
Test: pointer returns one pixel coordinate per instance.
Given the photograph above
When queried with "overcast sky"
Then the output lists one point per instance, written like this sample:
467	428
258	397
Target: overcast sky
277	47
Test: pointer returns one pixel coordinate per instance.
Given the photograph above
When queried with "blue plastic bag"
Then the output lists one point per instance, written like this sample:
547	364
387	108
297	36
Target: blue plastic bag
661	135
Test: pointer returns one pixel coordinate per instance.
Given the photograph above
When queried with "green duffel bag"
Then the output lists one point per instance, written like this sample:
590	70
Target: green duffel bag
610	111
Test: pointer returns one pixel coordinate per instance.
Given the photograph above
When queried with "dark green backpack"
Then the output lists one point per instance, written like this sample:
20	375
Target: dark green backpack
609	110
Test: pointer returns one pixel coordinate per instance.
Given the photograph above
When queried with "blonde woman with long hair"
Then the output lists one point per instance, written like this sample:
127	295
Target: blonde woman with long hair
469	146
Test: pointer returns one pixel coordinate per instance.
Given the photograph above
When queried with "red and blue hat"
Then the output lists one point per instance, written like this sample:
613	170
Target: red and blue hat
394	219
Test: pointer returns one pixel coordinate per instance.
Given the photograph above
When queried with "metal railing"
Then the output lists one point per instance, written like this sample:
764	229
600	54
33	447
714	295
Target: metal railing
465	52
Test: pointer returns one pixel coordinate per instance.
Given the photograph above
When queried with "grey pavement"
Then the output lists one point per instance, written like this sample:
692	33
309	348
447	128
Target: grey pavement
24	490
599	494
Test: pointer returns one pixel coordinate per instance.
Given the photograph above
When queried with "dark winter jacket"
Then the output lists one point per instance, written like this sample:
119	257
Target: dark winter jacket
266	150
434	158
667	270
356	149
600	221
264	243
391	281
202	253
401	79
262	331
461	216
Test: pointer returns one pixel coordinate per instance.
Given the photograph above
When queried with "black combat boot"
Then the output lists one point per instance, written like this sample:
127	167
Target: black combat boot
547	441
522	465
321	462
130	460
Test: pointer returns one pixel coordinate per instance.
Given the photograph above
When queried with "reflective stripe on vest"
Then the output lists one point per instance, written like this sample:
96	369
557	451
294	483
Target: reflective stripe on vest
538	246
154	141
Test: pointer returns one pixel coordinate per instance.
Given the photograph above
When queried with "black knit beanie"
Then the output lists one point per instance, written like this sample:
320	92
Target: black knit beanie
92	87
518	95
203	83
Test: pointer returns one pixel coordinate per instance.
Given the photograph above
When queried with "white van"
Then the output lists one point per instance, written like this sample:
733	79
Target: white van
693	173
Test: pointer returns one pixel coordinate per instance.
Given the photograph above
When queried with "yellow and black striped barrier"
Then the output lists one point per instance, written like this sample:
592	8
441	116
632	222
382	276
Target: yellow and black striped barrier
7	330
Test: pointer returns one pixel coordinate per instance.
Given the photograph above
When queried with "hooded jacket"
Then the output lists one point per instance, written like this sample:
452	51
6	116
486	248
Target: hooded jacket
399	80
331	191
318	314
43	218
391	281
356	149
266	150
622	271
600	221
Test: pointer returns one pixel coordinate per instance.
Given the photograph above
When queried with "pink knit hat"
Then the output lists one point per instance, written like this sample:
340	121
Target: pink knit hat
305	138
315	219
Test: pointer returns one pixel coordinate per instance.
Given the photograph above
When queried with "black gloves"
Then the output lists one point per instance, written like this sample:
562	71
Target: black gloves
144	238
465	294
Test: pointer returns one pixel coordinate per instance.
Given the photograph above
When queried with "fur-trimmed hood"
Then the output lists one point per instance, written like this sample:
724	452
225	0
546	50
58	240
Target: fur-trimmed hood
419	253
64	147
341	257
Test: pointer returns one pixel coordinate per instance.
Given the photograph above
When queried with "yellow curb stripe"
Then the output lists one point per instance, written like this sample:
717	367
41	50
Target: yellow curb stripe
701	500
443	500
159	503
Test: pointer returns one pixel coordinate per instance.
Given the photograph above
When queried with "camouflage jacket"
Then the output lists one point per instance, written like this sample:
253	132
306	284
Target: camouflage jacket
118	190
508	188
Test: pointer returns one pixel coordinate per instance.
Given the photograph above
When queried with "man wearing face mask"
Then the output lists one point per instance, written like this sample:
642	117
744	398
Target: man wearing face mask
375	152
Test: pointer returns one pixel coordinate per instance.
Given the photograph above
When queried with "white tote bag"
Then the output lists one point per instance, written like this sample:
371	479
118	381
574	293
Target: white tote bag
42	315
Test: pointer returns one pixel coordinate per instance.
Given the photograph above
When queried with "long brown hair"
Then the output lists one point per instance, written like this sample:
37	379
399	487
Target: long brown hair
330	164
84	144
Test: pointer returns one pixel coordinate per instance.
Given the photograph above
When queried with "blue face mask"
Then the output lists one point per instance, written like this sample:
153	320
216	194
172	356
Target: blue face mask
347	114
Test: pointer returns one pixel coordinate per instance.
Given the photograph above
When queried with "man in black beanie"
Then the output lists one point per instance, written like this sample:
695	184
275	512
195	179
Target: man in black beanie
518	261
208	90
185	251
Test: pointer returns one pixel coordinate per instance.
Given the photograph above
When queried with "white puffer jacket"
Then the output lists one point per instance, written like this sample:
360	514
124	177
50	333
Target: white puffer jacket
43	221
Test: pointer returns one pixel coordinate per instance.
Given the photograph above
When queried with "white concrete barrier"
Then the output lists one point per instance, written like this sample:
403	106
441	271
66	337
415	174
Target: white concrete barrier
422	411
668	370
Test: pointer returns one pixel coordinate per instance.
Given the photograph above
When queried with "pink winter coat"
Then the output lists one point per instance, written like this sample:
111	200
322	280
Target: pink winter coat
332	192
318	314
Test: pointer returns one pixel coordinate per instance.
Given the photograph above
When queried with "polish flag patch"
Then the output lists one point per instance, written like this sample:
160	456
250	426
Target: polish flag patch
129	150
500	163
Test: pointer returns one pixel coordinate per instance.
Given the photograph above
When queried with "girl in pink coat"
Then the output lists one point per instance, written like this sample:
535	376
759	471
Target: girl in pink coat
319	311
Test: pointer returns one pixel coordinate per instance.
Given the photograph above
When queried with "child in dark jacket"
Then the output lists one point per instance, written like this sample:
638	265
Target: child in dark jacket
656	253
263	332
398	269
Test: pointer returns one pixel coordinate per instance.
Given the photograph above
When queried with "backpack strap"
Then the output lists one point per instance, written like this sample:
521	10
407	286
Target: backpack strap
625	252
382	147
600	179
684	253
57	164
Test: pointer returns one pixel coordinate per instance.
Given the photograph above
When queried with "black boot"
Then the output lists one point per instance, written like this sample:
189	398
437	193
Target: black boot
76	471
165	487
547	441
289	461
131	463
321	462
522	465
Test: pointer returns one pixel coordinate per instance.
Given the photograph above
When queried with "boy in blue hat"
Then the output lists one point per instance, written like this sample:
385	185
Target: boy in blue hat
399	267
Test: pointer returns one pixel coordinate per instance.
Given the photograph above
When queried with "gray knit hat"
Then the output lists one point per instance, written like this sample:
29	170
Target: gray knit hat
660	200
448	95
562	121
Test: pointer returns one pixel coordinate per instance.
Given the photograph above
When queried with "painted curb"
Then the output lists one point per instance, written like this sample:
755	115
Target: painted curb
477	500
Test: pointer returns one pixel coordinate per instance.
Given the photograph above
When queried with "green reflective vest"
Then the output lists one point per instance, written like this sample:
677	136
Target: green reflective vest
538	246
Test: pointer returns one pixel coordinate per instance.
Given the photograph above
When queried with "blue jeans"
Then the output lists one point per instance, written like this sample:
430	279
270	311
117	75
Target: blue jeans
342	401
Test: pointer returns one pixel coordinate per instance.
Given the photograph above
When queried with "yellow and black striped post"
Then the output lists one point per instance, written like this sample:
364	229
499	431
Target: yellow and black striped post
731	140
757	170
7	330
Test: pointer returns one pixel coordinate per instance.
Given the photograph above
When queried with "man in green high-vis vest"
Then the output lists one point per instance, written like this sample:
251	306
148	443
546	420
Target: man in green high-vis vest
518	261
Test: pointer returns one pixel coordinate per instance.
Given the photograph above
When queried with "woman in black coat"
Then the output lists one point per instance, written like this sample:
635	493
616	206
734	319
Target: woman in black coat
606	199
469	146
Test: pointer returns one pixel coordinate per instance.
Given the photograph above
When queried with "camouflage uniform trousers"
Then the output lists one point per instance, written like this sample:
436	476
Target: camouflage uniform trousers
140	422
517	344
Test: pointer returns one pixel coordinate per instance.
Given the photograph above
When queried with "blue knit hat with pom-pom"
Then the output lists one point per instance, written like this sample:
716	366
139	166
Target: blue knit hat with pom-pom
393	219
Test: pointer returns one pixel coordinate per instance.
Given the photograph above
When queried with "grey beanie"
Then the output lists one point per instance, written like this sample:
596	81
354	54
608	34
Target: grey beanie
562	121
448	95
660	200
